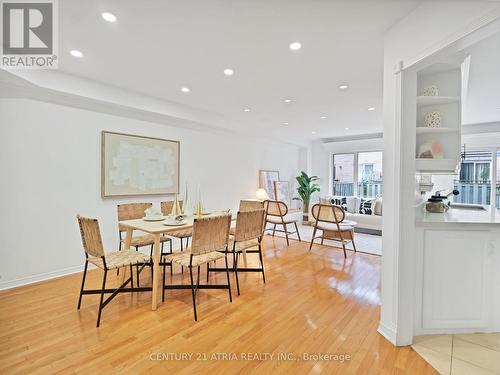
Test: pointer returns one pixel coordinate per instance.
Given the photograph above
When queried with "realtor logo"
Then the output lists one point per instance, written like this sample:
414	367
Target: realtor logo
29	34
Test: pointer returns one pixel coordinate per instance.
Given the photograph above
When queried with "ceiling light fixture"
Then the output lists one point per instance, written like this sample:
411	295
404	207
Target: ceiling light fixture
346	128
76	53
313	132
185	89
323	117
371	109
246	110
228	72
287	100
295	46
343	86
285	123
110	17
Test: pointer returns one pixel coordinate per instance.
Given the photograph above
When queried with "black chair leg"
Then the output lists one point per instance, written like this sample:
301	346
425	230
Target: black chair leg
171	264
262	263
182	249
131	276
208	270
102	297
193	293
164	279
235	266
312	239
83	284
228	282
137	270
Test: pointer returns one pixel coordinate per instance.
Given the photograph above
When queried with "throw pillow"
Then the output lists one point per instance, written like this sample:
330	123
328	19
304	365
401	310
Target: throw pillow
365	207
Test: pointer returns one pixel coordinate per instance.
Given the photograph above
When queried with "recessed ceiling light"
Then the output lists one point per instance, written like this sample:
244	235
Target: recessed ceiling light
110	17
343	86
313	132
76	53
346	128
295	46
287	100
323	117
371	108
285	123
228	72
185	89
246	110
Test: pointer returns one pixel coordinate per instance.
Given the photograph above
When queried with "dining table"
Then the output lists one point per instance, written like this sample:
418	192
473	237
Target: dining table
158	228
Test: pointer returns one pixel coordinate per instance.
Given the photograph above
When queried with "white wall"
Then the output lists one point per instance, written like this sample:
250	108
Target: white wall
50	171
428	29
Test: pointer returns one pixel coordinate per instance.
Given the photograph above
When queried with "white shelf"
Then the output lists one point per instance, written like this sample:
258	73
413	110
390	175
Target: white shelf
423	101
425	130
436	165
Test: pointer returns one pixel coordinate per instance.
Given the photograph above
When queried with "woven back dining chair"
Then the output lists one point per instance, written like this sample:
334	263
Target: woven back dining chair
209	243
329	219
134	211
247	239
276	214
181	234
94	253
250	205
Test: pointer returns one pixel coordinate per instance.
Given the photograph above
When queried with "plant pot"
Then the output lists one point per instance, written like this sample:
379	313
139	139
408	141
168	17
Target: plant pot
305	216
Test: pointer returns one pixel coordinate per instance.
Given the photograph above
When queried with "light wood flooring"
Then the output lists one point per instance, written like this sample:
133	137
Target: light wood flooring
312	303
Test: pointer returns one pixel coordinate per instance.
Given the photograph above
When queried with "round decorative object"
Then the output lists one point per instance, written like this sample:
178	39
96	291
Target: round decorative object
431	150
431	90
432	119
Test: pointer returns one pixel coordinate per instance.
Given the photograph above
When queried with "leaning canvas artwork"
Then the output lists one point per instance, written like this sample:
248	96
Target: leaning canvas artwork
266	181
134	165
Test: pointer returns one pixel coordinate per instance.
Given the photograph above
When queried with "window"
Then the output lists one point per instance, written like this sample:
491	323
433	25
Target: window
474	182
343	174
369	174
357	174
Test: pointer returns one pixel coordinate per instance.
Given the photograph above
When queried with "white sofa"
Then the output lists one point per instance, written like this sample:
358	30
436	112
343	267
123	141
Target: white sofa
366	223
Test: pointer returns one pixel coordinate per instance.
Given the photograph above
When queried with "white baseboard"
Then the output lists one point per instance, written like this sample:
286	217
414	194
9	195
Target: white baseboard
389	332
9	284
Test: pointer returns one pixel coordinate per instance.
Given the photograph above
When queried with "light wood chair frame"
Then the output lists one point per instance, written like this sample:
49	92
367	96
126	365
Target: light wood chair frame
114	292
282	213
336	221
195	287
240	218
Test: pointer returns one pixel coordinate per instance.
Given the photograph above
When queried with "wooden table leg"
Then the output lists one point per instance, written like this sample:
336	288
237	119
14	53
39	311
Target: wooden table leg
126	246
156	270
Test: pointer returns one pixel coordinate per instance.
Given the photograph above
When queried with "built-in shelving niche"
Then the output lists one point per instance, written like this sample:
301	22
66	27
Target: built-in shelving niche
447	79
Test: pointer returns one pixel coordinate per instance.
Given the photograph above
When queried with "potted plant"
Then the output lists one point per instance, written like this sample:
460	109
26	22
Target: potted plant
307	187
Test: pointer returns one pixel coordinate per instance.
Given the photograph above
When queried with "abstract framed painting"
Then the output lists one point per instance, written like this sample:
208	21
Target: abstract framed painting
266	181
133	165
282	192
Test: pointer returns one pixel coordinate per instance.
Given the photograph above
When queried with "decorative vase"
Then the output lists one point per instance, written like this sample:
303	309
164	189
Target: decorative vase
432	119
431	90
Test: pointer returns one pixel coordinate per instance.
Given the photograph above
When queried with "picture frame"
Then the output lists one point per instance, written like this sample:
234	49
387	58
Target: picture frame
266	181
282	192
134	165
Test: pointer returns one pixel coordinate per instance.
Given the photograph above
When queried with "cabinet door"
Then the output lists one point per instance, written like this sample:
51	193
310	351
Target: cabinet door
456	279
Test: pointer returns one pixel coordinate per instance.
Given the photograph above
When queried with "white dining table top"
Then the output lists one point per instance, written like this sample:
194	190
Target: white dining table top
160	227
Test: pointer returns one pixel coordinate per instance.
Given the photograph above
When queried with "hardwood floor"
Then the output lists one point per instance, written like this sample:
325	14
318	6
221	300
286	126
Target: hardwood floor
311	303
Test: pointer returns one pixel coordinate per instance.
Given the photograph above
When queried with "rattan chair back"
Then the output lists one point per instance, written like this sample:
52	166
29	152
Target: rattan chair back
275	208
249	225
91	236
210	234
328	213
131	211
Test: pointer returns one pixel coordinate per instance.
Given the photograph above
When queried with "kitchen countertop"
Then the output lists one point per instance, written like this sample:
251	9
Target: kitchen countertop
490	215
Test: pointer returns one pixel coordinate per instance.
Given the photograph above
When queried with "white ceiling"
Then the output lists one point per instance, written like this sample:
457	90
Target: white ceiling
157	46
